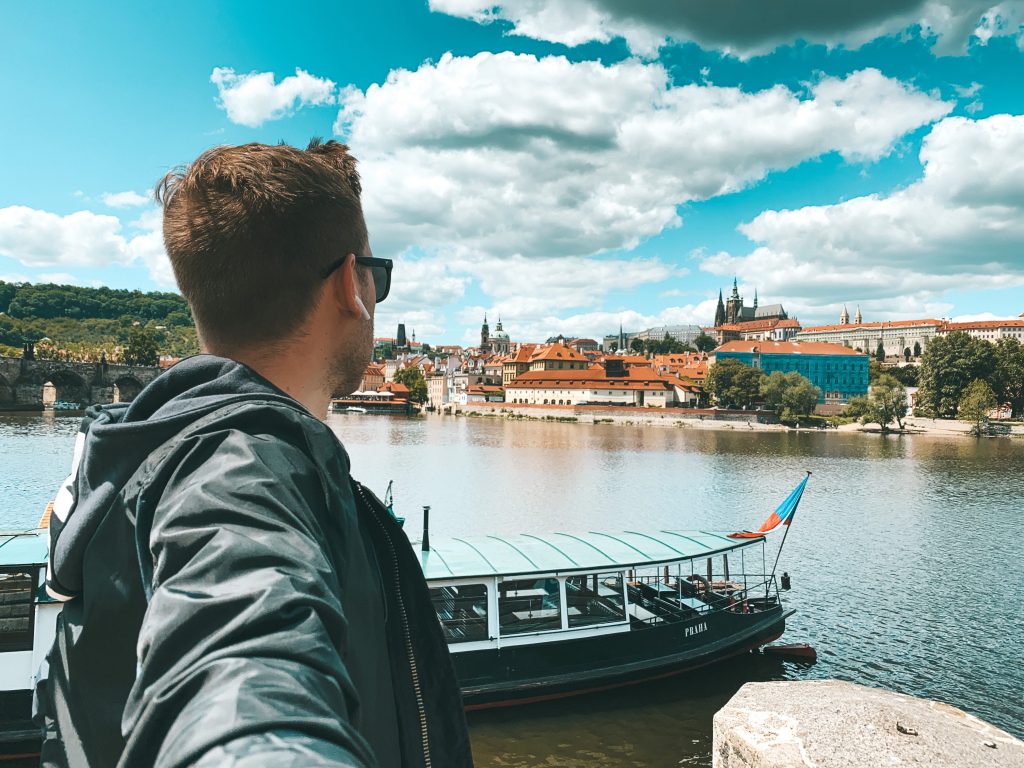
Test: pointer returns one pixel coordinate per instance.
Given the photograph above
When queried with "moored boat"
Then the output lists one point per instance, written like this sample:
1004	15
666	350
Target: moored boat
529	618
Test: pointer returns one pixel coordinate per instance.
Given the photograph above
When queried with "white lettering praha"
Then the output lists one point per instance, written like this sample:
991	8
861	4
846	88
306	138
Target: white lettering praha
695	629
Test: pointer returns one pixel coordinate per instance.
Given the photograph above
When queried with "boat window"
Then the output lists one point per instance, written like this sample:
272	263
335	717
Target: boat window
529	605
462	611
595	598
17	588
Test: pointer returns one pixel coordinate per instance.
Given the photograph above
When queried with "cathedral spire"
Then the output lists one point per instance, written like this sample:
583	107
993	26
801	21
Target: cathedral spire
755	298
844	317
720	311
858	318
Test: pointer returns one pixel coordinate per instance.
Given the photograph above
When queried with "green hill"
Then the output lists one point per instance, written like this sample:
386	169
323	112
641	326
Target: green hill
73	322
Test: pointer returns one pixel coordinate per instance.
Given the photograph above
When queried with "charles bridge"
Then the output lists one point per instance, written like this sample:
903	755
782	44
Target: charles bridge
24	380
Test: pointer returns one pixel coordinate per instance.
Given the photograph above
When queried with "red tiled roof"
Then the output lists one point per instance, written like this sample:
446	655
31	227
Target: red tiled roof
556	352
787	348
980	325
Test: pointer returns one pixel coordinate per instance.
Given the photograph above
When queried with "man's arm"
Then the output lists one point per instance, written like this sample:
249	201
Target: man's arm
239	649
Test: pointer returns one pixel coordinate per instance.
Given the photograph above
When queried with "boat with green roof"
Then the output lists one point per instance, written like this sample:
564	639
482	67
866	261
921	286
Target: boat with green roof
535	617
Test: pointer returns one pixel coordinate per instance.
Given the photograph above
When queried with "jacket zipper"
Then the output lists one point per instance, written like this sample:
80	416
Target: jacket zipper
421	709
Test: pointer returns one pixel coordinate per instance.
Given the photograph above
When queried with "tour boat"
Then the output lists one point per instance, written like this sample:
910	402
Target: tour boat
536	617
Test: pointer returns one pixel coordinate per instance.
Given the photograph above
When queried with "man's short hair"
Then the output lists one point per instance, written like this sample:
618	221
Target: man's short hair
250	229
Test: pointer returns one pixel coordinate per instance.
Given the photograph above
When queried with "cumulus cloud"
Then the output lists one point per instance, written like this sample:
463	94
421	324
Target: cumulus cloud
961	226
42	239
592	325
60	278
504	154
129	199
38	238
255	98
746	27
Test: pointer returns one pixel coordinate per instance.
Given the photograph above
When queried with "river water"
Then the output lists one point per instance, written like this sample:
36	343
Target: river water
906	554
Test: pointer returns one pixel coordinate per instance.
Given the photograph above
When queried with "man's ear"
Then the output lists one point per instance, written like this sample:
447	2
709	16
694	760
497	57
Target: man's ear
344	289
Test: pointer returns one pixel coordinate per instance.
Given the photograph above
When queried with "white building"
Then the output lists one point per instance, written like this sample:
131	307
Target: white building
990	330
896	336
642	387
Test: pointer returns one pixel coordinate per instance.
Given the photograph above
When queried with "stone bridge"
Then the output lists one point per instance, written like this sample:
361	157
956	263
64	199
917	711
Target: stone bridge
30	385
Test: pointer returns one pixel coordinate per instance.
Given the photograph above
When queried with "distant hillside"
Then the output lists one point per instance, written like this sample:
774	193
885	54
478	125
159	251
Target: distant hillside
48	301
80	323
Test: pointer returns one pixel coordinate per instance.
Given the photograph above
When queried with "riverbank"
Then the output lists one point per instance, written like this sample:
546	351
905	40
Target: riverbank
708	418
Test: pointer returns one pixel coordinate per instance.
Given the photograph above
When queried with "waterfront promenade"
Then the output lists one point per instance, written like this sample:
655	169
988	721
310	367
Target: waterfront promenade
709	419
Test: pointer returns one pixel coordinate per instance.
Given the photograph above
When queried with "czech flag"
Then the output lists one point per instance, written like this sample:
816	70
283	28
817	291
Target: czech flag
781	516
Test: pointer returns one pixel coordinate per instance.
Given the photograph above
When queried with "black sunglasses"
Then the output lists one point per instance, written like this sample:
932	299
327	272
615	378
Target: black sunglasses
381	269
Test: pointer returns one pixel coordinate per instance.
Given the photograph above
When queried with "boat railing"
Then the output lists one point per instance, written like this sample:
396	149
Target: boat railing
663	600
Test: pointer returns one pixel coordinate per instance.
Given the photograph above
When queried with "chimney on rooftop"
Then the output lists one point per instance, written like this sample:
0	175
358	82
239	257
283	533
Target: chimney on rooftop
614	366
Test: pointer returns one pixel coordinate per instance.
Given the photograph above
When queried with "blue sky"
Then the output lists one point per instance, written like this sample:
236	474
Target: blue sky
565	164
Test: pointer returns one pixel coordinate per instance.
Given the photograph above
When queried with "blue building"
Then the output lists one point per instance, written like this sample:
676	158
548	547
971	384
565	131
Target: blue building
839	372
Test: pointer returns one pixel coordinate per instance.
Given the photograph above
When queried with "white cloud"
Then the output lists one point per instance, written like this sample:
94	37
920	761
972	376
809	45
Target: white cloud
255	98
746	27
961	227
505	154
980	317
15	278
38	238
129	199
148	246
592	325
43	239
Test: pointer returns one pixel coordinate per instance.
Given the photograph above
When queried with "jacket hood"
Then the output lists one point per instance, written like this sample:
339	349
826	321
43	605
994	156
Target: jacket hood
114	440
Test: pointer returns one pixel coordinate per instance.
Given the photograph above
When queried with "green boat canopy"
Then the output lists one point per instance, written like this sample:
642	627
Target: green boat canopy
23	548
459	558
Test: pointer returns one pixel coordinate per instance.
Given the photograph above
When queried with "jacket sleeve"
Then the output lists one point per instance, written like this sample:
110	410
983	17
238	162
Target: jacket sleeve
240	655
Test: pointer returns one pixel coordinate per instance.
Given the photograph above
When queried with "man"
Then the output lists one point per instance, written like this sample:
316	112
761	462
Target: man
233	597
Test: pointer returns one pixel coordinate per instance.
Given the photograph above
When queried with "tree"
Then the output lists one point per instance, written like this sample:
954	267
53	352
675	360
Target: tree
906	354
704	343
412	377
142	348
856	407
886	403
880	352
917	349
733	384
948	367
977	402
790	395
875	370
1008	381
637	345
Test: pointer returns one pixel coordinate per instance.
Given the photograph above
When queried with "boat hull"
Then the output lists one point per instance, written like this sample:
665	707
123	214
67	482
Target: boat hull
524	674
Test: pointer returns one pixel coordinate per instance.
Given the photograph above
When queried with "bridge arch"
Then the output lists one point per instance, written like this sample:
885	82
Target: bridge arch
68	386
126	389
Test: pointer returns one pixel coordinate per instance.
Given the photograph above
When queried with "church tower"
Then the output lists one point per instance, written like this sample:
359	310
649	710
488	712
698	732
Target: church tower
734	306
858	318
844	318
485	336
719	311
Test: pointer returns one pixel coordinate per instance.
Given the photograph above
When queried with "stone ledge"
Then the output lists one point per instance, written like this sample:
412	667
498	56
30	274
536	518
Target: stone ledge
826	723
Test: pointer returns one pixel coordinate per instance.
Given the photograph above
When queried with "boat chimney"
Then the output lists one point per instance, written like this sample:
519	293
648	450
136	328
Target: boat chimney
425	546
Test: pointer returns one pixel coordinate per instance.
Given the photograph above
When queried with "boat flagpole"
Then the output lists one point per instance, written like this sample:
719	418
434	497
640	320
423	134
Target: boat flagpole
787	523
